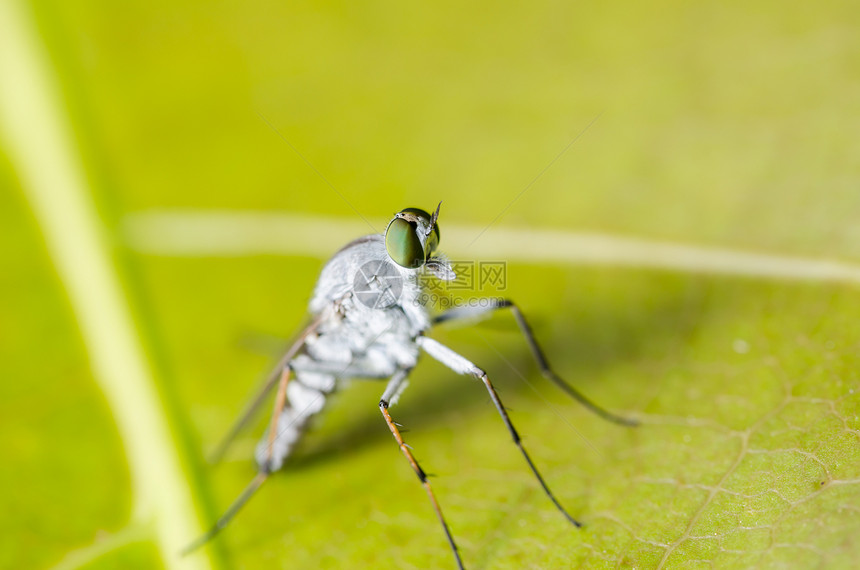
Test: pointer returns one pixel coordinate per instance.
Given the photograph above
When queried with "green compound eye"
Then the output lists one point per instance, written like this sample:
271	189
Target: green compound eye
403	244
432	241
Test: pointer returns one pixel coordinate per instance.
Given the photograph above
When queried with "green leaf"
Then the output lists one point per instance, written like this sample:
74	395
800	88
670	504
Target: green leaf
728	129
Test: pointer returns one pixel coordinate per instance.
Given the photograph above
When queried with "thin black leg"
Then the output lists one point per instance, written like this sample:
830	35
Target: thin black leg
537	353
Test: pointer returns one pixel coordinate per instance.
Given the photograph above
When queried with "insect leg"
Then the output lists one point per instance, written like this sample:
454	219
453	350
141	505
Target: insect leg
280	402
289	421
391	391
537	353
228	514
461	365
303	397
260	396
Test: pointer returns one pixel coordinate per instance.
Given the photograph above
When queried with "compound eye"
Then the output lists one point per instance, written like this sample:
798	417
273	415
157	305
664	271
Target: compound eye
403	245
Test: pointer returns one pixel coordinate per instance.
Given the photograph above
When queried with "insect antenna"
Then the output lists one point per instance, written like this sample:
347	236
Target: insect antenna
434	218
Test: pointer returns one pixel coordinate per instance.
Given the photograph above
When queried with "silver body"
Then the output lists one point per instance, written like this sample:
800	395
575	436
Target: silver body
369	321
354	338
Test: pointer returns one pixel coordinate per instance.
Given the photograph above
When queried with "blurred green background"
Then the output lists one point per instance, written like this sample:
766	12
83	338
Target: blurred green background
730	124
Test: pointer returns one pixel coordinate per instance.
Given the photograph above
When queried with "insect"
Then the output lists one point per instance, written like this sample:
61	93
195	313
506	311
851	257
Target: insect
368	321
